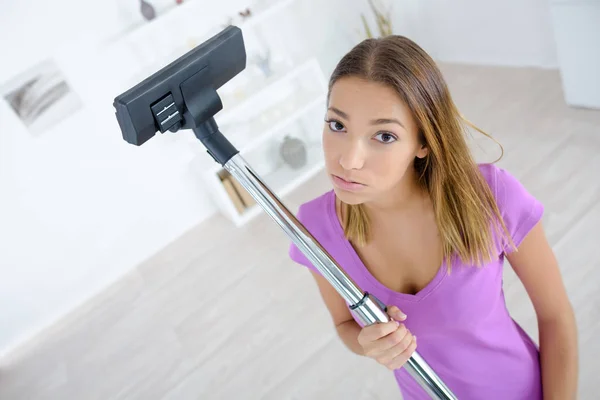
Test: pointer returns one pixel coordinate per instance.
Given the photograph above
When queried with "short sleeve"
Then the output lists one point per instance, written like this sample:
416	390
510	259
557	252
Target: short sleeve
520	210
294	252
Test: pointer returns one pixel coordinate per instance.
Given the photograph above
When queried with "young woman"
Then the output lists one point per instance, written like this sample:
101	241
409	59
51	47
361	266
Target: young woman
415	221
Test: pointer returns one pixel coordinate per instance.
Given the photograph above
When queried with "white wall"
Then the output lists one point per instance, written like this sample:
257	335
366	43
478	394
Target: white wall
79	206
507	32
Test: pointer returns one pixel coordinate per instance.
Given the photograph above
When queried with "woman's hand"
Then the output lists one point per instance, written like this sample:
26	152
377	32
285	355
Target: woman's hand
391	344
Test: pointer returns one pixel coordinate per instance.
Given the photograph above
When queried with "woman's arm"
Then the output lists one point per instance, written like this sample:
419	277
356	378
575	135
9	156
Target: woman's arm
348	331
536	266
342	319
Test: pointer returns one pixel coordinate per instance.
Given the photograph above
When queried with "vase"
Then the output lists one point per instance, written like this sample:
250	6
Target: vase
293	152
147	10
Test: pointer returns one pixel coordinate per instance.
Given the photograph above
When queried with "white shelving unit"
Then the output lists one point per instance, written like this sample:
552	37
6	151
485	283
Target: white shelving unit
301	115
260	106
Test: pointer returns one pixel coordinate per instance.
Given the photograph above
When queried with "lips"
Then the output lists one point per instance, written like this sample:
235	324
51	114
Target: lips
347	185
348	180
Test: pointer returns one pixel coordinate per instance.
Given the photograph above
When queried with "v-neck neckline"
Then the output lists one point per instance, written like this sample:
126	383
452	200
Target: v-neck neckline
364	271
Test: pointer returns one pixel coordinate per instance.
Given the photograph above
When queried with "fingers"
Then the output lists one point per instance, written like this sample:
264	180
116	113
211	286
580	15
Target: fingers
395	339
384	344
402	357
377	331
390	343
396	313
380	330
397	355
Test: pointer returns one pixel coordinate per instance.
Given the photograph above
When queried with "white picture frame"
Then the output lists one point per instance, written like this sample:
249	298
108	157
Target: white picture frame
41	97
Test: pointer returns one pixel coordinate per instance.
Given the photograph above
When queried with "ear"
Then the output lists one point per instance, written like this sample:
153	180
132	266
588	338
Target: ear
423	151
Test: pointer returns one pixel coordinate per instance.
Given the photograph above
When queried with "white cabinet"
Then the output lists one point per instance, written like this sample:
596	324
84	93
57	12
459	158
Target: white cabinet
577	33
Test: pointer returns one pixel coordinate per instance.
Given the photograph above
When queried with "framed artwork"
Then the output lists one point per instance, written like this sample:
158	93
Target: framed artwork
41	97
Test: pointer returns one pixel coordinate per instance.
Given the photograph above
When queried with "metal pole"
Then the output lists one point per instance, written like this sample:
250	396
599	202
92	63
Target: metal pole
365	306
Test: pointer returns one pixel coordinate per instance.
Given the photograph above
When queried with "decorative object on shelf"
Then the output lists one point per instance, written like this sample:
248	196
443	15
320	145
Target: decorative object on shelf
147	10
263	62
383	20
259	52
241	199
245	13
293	152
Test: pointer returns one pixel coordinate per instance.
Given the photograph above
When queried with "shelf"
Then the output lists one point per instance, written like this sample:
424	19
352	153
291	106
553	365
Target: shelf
261	10
149	46
252	142
269	8
251	103
263	157
258	113
283	180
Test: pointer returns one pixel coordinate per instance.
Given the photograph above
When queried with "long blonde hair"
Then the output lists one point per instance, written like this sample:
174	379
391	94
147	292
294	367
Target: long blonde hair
465	209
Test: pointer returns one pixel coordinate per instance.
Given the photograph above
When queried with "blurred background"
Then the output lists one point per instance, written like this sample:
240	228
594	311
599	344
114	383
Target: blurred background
148	273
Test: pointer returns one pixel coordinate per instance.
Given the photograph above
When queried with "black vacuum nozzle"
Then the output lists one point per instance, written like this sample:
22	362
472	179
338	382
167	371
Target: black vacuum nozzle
183	95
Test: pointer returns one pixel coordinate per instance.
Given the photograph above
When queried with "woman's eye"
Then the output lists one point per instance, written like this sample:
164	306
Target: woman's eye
385	137
336	126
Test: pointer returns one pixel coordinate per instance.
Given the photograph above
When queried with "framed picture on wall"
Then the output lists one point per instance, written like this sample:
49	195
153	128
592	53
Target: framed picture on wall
41	97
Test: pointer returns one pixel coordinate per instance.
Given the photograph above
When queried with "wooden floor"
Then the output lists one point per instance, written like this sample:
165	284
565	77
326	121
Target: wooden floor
222	313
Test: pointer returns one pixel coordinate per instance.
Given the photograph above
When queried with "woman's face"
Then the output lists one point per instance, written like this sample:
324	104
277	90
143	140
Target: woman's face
370	141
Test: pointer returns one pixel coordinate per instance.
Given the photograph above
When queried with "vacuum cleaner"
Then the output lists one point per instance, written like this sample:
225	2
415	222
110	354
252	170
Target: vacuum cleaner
183	96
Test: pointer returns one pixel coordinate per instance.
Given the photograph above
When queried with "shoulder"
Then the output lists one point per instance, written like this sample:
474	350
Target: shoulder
315	215
519	208
508	190
312	212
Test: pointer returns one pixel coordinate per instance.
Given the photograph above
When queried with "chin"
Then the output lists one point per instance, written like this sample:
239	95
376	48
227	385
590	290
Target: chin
348	197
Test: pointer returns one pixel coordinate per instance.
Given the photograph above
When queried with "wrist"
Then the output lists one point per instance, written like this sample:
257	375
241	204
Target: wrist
348	331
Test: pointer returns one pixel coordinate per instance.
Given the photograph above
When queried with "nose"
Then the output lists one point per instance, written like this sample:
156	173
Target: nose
352	156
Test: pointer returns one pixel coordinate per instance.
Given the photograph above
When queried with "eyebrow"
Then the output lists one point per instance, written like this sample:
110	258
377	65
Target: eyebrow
377	121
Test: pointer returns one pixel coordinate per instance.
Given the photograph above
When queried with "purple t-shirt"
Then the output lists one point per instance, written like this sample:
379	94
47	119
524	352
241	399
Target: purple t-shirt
465	331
